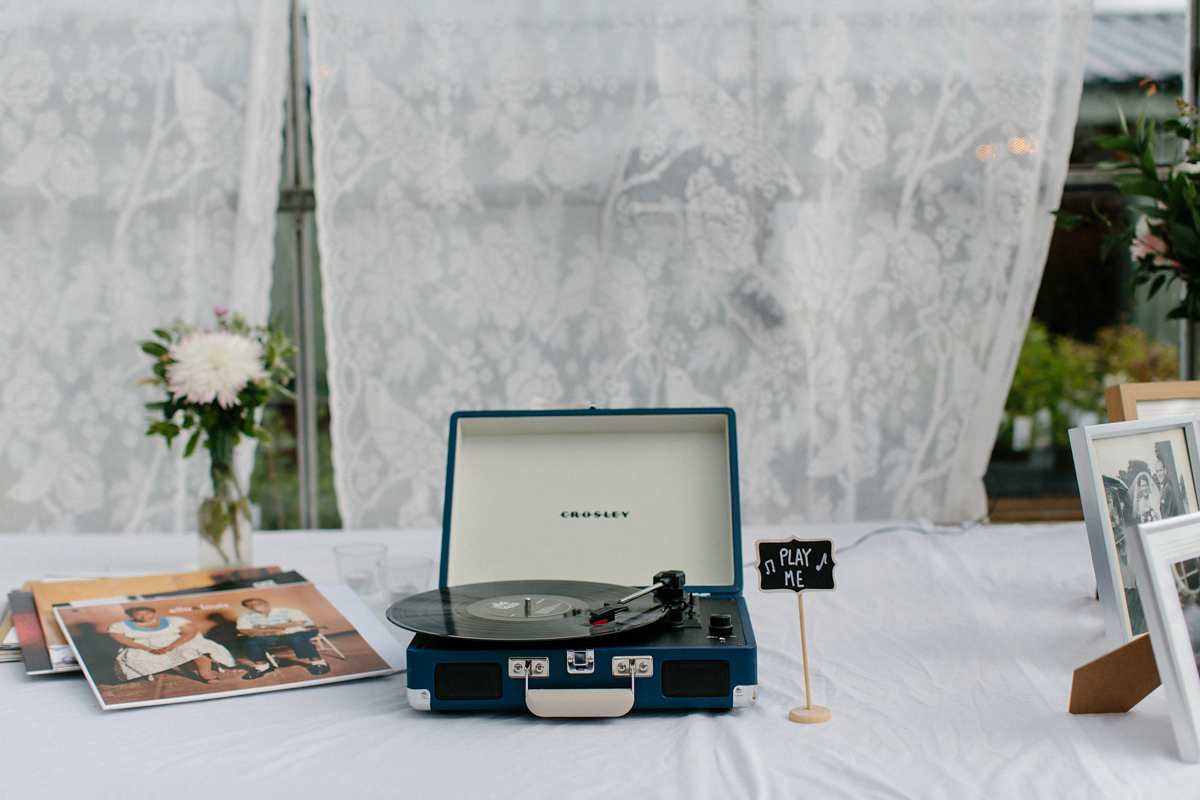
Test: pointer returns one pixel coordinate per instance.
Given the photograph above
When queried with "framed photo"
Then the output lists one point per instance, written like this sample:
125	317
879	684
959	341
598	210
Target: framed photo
1166	560
1131	473
1151	400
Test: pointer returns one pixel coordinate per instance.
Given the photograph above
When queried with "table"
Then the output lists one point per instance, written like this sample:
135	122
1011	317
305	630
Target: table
946	660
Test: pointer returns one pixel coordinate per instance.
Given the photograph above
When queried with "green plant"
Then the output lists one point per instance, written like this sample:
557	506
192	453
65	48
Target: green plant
1129	355
215	383
1164	242
1062	378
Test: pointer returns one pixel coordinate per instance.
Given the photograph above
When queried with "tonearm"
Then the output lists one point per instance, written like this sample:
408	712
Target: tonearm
668	590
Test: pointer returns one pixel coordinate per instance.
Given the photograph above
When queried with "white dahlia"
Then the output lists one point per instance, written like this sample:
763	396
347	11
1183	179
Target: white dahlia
214	366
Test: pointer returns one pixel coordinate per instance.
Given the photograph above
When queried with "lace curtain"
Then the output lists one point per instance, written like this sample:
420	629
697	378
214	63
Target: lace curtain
139	173
831	217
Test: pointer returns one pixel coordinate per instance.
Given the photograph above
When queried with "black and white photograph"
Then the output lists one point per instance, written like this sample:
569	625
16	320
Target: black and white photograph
1131	473
1165	555
1186	574
1142	484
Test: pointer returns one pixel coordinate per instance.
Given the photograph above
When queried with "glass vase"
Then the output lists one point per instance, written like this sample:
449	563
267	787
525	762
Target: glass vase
225	525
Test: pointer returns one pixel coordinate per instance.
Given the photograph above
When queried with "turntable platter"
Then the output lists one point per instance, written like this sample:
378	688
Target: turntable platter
537	610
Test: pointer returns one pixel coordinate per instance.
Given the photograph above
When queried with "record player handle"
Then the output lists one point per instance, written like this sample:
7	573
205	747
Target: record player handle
579	702
585	702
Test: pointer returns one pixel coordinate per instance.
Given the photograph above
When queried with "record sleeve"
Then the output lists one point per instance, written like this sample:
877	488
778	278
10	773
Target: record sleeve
354	644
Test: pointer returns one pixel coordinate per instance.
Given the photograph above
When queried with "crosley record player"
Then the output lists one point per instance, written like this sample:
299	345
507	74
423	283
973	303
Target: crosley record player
591	564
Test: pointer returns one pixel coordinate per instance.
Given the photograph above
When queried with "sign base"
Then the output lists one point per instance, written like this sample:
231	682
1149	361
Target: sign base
810	715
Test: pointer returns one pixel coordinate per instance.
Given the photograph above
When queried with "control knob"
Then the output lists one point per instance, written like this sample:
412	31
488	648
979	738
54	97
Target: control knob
720	625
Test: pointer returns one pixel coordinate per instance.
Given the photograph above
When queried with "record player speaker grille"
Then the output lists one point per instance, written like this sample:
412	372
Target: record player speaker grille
698	678
468	681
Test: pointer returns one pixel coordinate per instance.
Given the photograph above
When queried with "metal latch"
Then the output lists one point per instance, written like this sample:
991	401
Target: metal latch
581	662
633	666
528	668
581	702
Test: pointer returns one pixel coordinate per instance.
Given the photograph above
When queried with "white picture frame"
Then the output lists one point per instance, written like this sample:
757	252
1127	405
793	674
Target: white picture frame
1166	560
1130	473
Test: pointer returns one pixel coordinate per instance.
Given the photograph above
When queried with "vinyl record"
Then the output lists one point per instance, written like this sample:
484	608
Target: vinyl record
521	610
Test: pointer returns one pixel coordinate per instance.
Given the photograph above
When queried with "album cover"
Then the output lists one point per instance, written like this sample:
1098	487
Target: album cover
47	594
6	625
29	633
10	645
207	645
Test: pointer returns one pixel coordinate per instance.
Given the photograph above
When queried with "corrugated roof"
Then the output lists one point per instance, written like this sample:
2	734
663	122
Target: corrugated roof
1130	47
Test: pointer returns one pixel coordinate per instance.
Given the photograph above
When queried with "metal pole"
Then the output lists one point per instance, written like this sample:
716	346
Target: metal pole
298	199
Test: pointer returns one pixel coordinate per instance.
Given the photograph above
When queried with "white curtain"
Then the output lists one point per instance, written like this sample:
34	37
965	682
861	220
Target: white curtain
139	170
830	216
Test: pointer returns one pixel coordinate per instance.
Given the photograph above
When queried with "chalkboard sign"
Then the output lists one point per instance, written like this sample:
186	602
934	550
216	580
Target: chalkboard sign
795	565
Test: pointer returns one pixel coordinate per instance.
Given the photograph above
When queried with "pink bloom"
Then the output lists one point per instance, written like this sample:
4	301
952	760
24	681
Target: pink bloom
220	310
1146	244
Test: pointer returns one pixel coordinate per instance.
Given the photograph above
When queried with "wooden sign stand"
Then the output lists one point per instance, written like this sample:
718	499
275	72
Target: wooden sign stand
1117	681
807	713
797	565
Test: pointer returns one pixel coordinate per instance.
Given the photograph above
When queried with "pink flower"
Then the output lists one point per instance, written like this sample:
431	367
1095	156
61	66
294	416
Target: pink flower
1145	244
220	310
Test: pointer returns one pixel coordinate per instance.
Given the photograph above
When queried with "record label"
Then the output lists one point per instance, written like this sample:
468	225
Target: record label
532	606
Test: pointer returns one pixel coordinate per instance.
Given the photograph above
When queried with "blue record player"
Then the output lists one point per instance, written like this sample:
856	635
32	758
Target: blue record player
591	564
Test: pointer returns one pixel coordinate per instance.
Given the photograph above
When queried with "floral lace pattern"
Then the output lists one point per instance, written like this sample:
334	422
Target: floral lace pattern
831	217
139	164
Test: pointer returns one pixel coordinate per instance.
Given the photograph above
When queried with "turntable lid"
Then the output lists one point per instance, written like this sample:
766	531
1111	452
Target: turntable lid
611	496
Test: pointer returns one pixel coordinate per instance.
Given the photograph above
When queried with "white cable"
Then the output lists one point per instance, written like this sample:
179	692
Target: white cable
922	526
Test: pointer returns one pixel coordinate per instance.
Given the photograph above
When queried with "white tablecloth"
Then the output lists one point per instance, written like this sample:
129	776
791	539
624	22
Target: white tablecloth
946	661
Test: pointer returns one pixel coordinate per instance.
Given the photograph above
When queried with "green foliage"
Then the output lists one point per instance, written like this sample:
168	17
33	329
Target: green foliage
1067	376
1127	355
275	484
218	429
1164	202
1068	221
